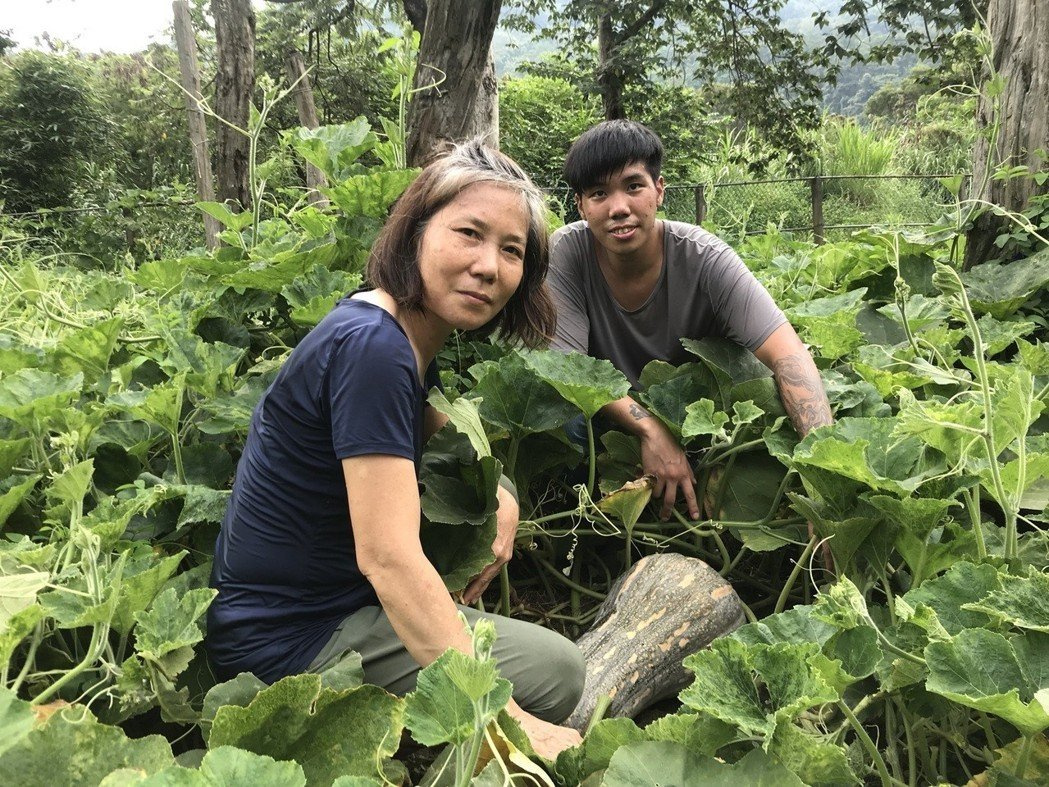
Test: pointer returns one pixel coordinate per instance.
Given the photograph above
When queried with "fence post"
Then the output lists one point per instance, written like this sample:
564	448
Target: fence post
817	209
701	204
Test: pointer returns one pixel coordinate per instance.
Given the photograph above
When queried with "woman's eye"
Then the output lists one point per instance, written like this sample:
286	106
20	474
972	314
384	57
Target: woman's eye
515	251
469	232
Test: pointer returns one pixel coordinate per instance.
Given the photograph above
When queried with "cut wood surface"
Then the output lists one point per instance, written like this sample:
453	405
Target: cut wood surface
664	608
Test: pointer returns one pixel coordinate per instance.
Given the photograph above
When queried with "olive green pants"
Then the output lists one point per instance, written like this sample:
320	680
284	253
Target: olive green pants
546	670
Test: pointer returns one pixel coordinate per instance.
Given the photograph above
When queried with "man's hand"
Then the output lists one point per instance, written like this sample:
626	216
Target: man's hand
507	517
662	457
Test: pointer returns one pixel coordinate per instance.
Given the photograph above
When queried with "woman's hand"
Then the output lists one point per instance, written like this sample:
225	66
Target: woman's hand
507	517
548	739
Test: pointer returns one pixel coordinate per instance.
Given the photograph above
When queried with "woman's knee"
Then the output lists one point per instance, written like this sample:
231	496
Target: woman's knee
567	669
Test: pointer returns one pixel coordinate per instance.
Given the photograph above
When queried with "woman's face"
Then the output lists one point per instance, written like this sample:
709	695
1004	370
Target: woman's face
471	255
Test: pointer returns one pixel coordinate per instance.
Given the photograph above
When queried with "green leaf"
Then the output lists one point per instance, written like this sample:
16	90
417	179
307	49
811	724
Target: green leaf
980	669
951	594
329	733
796	626
661	763
513	397
30	397
816	760
172	622
455	500
347	673
87	350
239	692
829	324
72	747
588	383
464	416
370	194
755	686
17	628
68	489
226	217
441	709
160	405
866	450
628	502
313	294
11	453
700	419
695	731
333	149
142	579
594	753
1001	290
13	496
1021	602
16	719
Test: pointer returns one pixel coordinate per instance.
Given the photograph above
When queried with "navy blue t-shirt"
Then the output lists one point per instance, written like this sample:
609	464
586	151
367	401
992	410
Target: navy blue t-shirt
285	565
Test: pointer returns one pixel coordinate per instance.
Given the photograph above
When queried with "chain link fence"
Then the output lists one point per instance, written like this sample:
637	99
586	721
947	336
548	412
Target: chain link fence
824	207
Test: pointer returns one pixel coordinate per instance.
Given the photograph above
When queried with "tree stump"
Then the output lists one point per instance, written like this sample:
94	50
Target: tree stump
663	609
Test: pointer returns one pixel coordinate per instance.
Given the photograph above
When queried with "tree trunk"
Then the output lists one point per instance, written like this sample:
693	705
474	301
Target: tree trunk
189	69
458	92
607	77
307	117
665	608
234	83
1021	55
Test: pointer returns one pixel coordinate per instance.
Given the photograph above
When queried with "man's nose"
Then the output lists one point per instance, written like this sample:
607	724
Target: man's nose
618	204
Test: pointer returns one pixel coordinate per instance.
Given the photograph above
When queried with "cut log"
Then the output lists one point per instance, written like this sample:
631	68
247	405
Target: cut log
665	608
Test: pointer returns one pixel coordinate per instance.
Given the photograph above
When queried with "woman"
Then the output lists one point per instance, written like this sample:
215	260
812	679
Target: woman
319	553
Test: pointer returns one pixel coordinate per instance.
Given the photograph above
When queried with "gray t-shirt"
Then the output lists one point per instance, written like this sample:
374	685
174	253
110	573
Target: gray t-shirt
704	289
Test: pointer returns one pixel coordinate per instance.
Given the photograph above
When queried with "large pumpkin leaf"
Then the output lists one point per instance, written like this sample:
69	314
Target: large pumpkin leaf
588	383
1001	289
441	709
815	759
329	733
755	686
981	669
951	594
659	762
72	747
1022	602
222	767
515	398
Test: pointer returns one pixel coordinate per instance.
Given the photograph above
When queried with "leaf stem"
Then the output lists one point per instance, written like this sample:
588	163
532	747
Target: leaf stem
868	744
781	602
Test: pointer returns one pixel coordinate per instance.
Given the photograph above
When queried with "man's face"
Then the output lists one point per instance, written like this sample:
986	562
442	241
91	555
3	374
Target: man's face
622	209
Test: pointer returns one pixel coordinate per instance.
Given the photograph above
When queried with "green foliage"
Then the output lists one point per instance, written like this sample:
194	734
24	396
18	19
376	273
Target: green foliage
538	118
51	128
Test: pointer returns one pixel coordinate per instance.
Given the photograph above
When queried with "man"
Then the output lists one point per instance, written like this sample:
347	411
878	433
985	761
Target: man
629	286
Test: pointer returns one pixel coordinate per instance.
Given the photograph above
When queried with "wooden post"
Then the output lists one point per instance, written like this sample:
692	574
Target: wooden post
817	209
307	117
189	69
701	204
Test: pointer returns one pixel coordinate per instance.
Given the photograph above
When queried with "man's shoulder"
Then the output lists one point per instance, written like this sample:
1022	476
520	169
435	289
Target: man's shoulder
569	245
692	240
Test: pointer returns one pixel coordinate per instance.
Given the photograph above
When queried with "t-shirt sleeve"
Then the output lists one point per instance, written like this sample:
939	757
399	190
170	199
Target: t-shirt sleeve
743	308
373	394
567	287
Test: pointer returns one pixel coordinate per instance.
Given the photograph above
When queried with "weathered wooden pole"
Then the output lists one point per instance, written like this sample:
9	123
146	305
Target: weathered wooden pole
234	84
189	69
303	93
818	230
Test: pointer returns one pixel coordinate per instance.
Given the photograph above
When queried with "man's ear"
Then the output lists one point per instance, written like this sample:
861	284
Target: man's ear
661	187
579	204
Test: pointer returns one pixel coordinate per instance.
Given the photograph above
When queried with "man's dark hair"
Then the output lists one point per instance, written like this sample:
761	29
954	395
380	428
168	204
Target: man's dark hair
608	147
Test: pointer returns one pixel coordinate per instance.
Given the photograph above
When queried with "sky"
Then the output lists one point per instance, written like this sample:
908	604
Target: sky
89	25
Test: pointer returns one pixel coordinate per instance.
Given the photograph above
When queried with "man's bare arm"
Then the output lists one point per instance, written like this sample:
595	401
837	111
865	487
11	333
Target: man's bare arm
797	378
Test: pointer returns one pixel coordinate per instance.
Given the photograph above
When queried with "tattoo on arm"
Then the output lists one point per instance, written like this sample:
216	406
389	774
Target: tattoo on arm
639	412
802	392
